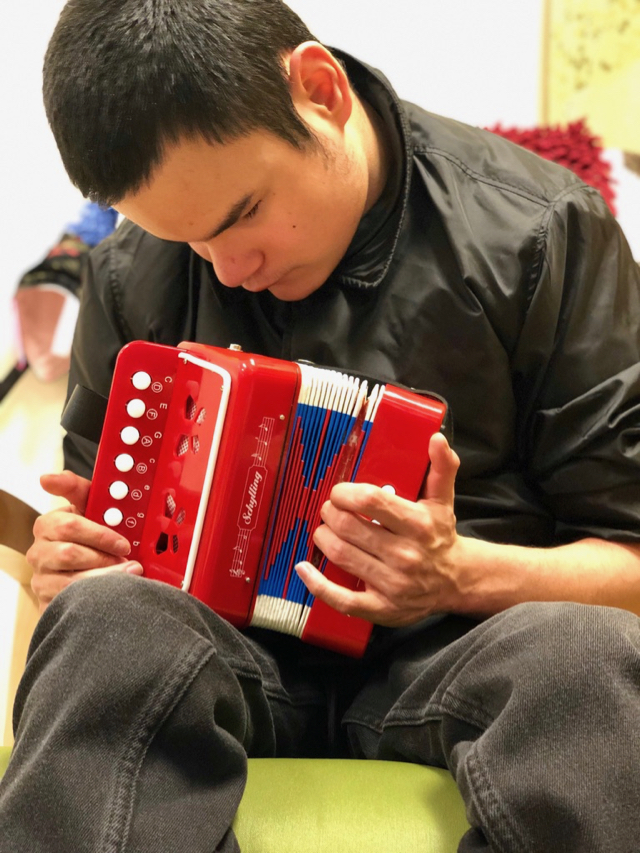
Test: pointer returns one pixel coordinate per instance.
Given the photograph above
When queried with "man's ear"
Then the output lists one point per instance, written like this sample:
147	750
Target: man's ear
319	85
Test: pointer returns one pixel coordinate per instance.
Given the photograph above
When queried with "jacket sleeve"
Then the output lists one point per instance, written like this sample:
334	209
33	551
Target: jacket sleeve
99	335
577	374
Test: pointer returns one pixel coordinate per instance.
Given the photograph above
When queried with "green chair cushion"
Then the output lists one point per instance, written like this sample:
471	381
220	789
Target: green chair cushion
324	806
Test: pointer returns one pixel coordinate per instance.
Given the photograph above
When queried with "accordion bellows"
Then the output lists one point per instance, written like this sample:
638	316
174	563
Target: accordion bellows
215	463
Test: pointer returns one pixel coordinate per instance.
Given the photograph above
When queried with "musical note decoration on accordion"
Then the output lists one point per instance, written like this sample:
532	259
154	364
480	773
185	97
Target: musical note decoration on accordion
215	463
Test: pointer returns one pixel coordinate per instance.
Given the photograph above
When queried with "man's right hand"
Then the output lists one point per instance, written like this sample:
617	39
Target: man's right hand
67	546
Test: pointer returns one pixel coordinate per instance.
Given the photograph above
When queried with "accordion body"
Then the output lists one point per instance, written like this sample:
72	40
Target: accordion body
215	463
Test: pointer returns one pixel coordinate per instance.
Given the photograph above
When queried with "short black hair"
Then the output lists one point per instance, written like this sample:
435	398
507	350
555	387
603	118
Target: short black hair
123	78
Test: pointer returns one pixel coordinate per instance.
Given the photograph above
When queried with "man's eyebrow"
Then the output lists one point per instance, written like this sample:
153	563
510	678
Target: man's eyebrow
234	213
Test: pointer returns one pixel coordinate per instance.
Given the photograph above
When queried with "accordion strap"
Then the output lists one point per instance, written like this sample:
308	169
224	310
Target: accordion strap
84	413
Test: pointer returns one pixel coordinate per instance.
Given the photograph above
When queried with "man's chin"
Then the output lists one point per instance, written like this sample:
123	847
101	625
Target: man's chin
291	288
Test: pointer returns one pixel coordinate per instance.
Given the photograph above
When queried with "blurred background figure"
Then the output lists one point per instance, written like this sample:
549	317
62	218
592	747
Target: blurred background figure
47	299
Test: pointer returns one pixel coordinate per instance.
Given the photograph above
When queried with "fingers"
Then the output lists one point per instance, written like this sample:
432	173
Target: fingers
340	598
75	542
49	584
391	512
69	486
392	591
403	551
381	538
394	513
440	486
368	603
352	556
343	528
69	547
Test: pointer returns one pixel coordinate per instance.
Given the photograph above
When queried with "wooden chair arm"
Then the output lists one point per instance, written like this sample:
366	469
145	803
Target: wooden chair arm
14	564
16	523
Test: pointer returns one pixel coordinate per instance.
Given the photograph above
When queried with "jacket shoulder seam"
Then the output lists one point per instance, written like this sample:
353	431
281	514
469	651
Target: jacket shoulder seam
517	190
549	205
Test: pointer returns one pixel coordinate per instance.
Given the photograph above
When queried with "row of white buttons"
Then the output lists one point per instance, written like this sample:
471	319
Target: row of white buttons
124	461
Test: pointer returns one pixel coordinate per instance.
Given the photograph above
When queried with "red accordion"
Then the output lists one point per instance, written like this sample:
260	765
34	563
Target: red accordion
214	463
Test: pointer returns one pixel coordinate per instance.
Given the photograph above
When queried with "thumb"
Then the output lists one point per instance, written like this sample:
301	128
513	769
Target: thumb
69	486
440	485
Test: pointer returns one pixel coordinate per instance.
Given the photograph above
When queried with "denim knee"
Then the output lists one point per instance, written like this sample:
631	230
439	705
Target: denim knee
562	655
105	592
566	630
97	604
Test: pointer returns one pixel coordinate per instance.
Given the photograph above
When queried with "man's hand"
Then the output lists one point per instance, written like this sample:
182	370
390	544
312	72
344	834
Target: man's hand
406	553
69	547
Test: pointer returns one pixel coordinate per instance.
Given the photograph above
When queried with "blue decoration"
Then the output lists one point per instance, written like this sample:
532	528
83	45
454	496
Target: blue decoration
94	223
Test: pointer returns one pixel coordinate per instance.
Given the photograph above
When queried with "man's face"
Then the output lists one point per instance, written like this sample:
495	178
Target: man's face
267	215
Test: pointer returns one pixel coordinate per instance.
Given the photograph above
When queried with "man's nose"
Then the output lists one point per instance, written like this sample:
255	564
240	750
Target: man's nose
232	268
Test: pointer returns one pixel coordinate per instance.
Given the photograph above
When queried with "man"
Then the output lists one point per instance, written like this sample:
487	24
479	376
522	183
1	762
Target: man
284	199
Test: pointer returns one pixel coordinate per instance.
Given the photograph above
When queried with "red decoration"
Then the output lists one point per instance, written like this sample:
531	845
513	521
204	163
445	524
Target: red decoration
571	146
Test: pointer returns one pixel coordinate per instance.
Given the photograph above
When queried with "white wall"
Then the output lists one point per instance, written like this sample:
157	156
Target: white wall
37	198
474	60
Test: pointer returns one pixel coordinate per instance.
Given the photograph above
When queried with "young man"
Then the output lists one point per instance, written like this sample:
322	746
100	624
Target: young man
286	200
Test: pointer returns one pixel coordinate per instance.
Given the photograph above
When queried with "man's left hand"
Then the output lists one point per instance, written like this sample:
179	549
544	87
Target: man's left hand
405	553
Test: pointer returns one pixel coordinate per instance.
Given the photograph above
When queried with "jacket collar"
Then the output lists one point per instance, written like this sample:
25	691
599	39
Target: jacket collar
370	253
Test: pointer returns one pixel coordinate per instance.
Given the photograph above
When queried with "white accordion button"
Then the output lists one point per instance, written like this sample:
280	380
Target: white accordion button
118	490
141	380
124	462
112	517
136	408
130	435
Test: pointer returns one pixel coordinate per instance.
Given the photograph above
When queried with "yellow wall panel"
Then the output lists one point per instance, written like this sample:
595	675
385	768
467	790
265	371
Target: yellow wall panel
592	68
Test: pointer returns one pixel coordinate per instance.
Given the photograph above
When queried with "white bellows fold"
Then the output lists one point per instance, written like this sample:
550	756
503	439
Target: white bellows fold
333	417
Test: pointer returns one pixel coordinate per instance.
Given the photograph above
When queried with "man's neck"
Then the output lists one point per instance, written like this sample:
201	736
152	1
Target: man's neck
378	150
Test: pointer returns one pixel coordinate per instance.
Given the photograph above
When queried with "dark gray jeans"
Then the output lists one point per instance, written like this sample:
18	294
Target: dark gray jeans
139	706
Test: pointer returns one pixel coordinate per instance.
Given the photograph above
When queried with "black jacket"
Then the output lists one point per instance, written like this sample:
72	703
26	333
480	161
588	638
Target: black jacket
486	274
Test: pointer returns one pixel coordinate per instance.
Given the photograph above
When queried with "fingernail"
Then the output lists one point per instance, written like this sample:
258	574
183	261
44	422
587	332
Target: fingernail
133	568
122	548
